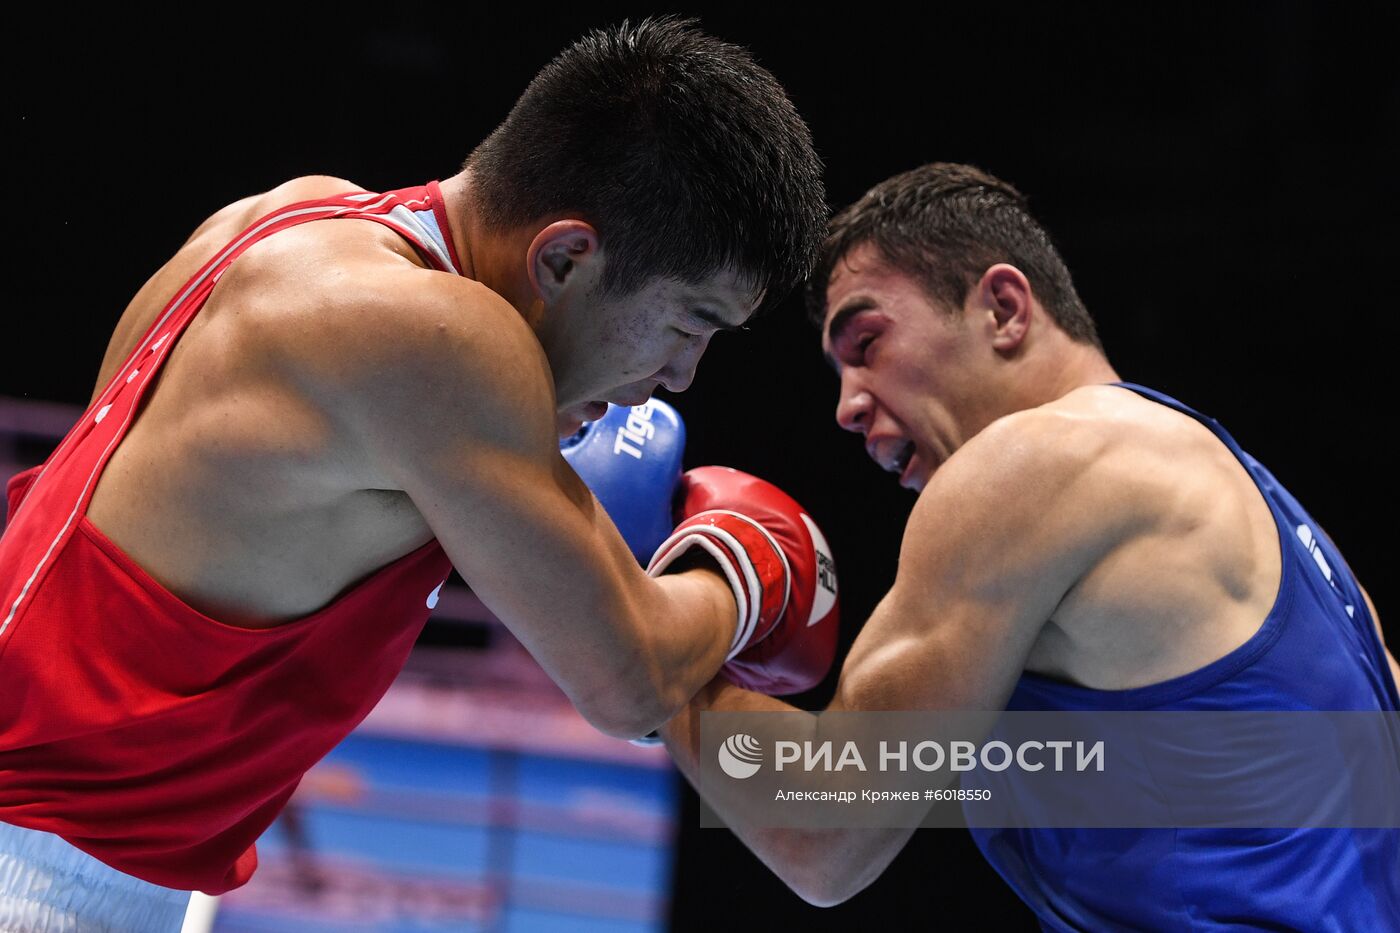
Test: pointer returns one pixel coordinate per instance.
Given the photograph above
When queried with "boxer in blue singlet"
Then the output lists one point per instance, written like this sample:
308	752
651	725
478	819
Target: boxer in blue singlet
1079	543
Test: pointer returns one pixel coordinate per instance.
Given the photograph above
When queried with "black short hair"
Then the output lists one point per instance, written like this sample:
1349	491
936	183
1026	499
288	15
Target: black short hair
944	224
683	153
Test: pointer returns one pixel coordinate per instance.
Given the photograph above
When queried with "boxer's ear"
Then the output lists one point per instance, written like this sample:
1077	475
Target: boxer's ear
1005	303
557	255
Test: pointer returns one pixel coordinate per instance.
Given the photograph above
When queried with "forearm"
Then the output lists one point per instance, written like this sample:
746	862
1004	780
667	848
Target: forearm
822	866
642	648
686	633
682	736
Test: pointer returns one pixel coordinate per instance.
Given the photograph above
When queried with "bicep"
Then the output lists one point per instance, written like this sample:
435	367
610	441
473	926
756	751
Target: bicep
523	531
932	644
539	551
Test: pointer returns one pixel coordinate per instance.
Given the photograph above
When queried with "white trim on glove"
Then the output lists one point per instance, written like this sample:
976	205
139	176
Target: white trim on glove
734	561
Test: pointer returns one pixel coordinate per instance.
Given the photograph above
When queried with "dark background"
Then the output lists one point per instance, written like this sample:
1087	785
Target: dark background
1220	178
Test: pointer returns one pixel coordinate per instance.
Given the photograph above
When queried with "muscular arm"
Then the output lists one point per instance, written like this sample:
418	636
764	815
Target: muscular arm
997	538
452	403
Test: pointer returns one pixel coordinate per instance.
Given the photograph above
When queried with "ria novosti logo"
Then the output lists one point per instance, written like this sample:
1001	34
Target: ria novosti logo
741	755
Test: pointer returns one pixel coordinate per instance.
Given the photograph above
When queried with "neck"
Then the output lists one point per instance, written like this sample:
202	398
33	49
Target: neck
496	261
1084	365
1071	365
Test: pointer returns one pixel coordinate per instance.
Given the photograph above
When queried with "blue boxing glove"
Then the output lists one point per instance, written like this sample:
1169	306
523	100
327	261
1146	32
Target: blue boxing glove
631	459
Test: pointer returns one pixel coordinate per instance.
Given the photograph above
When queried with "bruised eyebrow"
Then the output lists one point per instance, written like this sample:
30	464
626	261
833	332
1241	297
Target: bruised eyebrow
840	321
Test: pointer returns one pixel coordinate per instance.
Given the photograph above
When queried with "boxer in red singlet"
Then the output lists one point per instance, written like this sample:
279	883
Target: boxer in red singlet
329	396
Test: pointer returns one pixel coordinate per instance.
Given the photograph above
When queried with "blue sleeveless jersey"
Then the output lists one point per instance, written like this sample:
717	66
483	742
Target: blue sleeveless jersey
1316	650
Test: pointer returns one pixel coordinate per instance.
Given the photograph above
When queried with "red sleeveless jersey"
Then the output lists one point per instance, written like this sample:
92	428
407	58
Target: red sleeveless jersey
150	736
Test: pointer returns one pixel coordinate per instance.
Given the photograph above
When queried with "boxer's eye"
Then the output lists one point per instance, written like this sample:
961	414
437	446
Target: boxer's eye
861	347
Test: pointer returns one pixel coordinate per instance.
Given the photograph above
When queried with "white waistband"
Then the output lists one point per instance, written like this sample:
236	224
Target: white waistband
48	886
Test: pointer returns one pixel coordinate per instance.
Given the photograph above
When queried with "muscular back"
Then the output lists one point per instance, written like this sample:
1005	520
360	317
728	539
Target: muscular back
1198	573
236	488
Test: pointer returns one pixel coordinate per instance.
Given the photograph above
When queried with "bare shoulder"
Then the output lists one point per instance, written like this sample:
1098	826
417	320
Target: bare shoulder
212	235
1061	483
1106	443
384	326
1008	526
410	359
244	211
1194	567
346	313
1079	447
1168	462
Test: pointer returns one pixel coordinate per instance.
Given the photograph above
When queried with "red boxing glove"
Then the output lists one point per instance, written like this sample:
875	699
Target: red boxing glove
779	566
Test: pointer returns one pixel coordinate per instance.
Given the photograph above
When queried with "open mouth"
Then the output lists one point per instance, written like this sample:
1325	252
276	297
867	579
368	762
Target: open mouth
900	463
891	454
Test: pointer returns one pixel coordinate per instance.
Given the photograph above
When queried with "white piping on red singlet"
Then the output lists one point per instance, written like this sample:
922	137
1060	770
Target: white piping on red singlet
176	305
